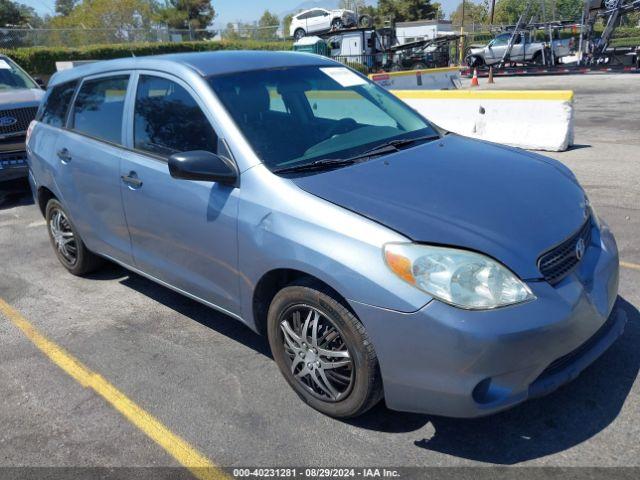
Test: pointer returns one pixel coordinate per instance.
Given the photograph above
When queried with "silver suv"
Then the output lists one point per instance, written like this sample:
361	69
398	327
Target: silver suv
20	97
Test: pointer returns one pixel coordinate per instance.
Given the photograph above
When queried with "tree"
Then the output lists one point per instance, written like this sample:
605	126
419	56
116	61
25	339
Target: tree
406	10
473	13
508	11
439	11
196	14
267	26
13	14
64	7
104	21
286	24
352	5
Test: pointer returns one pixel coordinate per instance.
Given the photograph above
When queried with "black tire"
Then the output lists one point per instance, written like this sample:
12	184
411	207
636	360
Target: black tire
78	260
419	66
537	58
337	24
298	34
474	61
365	21
365	384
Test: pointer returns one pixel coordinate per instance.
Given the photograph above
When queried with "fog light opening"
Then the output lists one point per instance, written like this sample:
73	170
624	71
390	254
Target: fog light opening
480	392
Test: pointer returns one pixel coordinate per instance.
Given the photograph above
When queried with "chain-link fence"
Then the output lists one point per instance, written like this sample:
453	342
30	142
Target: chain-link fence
76	37
272	33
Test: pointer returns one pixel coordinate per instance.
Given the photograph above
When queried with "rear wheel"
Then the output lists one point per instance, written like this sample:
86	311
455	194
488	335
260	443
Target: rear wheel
337	24
323	351
419	66
537	58
69	247
298	34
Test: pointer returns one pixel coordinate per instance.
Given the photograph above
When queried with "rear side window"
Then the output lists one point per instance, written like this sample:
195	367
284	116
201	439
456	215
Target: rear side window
98	109
168	120
54	109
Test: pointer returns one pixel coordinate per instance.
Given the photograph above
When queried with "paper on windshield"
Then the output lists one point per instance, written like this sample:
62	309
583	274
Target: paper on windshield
343	76
4	65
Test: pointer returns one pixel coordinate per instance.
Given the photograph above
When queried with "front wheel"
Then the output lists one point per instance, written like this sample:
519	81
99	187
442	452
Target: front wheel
323	351
337	24
475	61
69	247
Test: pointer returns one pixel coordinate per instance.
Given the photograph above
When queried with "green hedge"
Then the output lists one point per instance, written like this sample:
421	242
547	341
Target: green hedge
42	60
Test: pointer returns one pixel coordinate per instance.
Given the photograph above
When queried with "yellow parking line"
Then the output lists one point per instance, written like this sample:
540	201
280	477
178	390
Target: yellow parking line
200	466
632	266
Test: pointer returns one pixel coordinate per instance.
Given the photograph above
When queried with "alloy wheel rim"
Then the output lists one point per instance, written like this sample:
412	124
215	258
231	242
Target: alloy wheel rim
63	237
317	354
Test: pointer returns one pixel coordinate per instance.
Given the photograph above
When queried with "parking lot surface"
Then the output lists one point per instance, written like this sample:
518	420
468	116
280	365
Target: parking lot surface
212	382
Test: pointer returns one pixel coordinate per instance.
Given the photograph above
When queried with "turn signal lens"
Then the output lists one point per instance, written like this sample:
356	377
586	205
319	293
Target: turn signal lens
400	265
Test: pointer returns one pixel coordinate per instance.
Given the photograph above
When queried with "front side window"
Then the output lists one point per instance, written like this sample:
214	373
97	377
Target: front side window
297	115
168	120
500	40
56	104
12	77
98	108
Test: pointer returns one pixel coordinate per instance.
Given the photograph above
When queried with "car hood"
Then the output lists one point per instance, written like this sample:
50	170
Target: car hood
507	203
20	98
473	51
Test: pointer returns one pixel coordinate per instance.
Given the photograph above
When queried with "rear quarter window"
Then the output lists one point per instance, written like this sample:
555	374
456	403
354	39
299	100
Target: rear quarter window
56	104
99	107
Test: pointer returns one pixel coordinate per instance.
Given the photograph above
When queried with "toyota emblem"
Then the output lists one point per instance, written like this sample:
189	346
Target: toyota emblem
580	248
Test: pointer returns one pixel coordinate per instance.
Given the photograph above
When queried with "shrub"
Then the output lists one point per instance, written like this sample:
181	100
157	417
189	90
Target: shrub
42	60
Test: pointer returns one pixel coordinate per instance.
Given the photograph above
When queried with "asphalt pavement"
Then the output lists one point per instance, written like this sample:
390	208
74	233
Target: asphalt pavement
211	381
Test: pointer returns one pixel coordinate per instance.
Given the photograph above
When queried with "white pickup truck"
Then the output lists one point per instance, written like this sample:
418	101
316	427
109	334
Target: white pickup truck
523	50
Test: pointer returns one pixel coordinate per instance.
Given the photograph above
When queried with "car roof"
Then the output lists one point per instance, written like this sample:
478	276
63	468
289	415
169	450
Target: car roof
204	63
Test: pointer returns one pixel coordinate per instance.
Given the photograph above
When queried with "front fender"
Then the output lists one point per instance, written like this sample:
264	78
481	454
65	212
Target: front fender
282	227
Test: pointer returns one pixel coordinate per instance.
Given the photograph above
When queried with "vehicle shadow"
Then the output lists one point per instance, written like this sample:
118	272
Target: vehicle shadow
550	424
202	314
15	193
535	429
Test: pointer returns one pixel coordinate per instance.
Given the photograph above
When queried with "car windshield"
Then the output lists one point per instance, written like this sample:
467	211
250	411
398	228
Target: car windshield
300	115
13	77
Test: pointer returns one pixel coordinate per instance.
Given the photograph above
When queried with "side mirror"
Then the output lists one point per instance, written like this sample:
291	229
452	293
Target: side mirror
40	82
205	166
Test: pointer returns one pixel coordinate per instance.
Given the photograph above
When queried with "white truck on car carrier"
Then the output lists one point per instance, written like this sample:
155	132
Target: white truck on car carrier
523	50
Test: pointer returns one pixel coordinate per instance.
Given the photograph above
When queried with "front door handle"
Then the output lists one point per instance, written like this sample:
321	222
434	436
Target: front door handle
64	155
132	180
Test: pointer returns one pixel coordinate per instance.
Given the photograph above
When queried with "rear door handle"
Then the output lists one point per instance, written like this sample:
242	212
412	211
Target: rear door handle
64	155
132	180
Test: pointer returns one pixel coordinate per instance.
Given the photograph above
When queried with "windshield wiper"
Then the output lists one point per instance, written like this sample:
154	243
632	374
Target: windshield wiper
328	163
394	145
324	164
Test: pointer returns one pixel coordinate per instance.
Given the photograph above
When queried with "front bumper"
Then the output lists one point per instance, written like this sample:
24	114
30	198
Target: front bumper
446	361
13	165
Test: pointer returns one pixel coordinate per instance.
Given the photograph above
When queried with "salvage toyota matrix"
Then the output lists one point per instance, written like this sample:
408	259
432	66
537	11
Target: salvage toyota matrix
381	256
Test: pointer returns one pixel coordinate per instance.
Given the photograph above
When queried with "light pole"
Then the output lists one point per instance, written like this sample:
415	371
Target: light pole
462	35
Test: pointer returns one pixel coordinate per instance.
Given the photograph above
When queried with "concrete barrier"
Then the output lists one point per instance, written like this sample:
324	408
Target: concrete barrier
537	120
429	79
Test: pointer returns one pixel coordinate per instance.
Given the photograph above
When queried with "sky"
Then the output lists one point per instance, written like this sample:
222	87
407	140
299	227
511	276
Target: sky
232	10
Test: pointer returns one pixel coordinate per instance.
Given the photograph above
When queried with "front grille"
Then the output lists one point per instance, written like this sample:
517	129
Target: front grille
22	116
560	261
